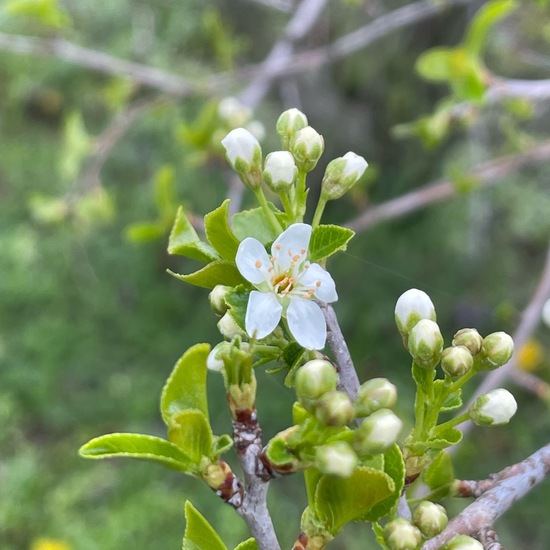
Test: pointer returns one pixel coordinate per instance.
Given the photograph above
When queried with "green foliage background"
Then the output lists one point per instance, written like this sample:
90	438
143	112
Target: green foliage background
90	323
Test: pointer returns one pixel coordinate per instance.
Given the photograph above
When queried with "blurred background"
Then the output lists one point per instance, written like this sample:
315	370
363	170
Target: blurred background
109	120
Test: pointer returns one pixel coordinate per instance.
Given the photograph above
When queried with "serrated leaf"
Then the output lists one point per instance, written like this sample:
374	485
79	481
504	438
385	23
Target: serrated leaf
140	446
184	241
328	239
186	386
237	301
253	223
444	439
221	445
440	472
219	234
249	544
199	534
451	402
191	432
215	273
341	500
164	186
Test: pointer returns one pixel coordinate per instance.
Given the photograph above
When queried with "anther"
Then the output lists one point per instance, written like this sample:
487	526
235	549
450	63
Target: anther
258	264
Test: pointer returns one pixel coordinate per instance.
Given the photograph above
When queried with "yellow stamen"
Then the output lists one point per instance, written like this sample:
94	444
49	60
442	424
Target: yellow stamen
258	264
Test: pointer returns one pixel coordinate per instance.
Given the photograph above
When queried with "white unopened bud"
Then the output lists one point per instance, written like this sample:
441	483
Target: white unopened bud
463	542
217	298
307	146
336	458
214	361
377	433
497	350
425	343
244	154
495	408
334	409
546	313
280	170
469	338
411	307
290	122
341	175
456	361
430	518
400	534
315	378
229	328
233	112
374	394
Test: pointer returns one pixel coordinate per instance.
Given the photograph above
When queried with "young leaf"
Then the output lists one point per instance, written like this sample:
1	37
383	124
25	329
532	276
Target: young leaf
253	223
341	500
184	241
249	544
199	534
278	453
186	386
439	474
379	534
219	233
165	190
144	232
312	476
191	432
221	444
218	272
423	377
435	64
141	446
328	239
47	12
237	300
450	436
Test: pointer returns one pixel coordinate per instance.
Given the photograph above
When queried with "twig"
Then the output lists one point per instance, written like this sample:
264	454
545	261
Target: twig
489	539
501	88
486	174
281	5
494	502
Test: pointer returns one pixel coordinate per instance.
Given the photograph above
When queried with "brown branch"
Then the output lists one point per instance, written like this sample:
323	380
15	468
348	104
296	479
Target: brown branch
497	500
486	174
489	539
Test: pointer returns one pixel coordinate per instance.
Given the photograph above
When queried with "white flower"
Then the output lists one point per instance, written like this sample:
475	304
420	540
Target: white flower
280	170
287	284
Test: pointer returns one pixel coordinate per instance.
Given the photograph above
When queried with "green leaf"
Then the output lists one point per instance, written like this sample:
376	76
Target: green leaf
423	377
185	241
221	444
237	300
165	190
215	273
328	239
451	402
144	232
249	544
394	466
379	535
341	500
140	446
253	223
191	432
436	64
219	233
77	145
186	386
278	453
487	16
48	12
199	534
440	472
312	476
292	356
444	439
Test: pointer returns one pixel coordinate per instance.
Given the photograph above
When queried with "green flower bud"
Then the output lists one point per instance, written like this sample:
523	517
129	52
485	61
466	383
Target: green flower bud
430	518
314	379
217	298
497	350
334	409
377	433
411	307
229	328
425	343
244	154
290	122
399	534
374	394
495	408
456	361
307	146
336	458
341	175
463	542
469	338
280	171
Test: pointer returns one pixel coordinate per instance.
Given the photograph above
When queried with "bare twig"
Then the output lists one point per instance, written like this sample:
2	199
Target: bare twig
489	539
486	174
501	88
497	500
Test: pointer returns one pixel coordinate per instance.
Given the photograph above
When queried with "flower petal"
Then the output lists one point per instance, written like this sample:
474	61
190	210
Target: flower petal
307	323
316	278
263	314
253	261
291	246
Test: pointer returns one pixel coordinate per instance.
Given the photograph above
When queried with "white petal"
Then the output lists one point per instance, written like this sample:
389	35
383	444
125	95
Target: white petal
316	278
291	243
307	323
252	261
263	314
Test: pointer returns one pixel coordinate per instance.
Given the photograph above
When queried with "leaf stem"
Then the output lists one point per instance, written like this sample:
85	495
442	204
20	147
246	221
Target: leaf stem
267	211
451	423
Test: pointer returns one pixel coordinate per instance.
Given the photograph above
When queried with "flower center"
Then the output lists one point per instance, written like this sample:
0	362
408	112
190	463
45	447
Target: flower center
283	284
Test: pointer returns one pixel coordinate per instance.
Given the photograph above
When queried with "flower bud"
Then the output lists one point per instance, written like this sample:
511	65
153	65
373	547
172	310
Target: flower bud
341	175
399	534
430	518
214	361
233	112
290	122
374	394
425	343
377	433
469	338
315	378
336	458
280	170
244	154
411	307
497	350
217	299
545	314
307	146
229	328
334	408
456	361
495	408
463	542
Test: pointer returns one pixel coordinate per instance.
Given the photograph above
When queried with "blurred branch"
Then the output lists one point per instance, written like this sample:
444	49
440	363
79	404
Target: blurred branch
281	5
501	88
486	174
498	499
